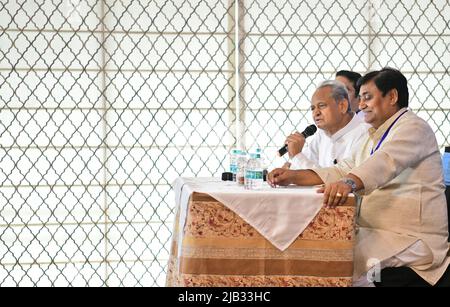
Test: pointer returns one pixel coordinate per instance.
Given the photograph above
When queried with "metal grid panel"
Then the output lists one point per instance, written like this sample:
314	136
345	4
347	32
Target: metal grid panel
104	103
291	46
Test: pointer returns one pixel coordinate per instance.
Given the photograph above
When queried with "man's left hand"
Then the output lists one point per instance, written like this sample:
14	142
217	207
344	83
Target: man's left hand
335	194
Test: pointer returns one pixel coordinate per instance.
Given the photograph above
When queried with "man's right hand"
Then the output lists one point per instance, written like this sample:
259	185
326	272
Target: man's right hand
281	176
295	143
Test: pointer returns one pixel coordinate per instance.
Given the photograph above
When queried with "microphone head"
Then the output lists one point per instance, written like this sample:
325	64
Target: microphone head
283	150
310	130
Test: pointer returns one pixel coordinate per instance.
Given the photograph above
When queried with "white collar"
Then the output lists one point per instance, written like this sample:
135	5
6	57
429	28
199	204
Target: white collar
352	124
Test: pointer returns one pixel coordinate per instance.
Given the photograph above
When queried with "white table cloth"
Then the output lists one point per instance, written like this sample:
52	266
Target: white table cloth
279	214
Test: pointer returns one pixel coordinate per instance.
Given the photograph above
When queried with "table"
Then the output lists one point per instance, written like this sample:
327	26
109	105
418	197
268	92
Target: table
219	248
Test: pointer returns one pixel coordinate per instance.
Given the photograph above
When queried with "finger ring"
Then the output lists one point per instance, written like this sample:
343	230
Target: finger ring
338	194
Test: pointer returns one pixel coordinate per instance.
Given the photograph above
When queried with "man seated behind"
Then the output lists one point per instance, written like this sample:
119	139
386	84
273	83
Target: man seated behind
350	80
402	220
339	130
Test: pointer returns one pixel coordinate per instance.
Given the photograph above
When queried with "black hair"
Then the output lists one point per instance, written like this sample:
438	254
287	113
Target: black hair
352	76
387	79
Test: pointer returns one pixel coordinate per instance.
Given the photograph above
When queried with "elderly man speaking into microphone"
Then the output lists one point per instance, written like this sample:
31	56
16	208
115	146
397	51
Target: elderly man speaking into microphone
340	131
402	219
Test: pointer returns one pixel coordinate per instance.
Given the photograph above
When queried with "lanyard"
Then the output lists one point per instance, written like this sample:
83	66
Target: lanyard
386	133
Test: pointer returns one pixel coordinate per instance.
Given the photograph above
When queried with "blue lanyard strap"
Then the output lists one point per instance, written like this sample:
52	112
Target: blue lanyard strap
386	133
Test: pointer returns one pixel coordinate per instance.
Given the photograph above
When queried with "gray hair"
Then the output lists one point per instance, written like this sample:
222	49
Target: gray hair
338	91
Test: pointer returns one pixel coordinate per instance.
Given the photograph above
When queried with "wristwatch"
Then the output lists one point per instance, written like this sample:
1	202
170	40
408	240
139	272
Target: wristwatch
350	182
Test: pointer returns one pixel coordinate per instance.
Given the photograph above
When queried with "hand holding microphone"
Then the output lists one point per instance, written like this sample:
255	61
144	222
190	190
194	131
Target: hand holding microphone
310	130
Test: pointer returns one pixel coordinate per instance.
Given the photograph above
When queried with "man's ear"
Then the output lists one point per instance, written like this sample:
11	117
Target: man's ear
393	96
343	106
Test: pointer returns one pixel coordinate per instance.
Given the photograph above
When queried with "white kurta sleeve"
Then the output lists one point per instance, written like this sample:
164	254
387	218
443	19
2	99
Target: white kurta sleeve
308	158
301	161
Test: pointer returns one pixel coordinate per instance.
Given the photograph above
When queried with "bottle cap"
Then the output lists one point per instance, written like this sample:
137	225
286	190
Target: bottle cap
227	176
447	149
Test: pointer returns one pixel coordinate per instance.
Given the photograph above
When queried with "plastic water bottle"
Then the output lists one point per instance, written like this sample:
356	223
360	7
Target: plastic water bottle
446	165
248	180
264	163
254	173
258	171
241	165
233	162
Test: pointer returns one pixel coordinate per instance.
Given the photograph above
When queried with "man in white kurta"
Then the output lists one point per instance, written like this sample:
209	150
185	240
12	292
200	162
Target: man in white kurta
327	149
340	131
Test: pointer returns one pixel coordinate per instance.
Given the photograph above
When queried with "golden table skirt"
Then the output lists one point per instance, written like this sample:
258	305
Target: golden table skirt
220	249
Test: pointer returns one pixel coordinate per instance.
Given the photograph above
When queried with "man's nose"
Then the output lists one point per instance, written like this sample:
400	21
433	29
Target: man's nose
361	104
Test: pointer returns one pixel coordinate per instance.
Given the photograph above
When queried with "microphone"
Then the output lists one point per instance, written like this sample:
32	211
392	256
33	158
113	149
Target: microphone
310	130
